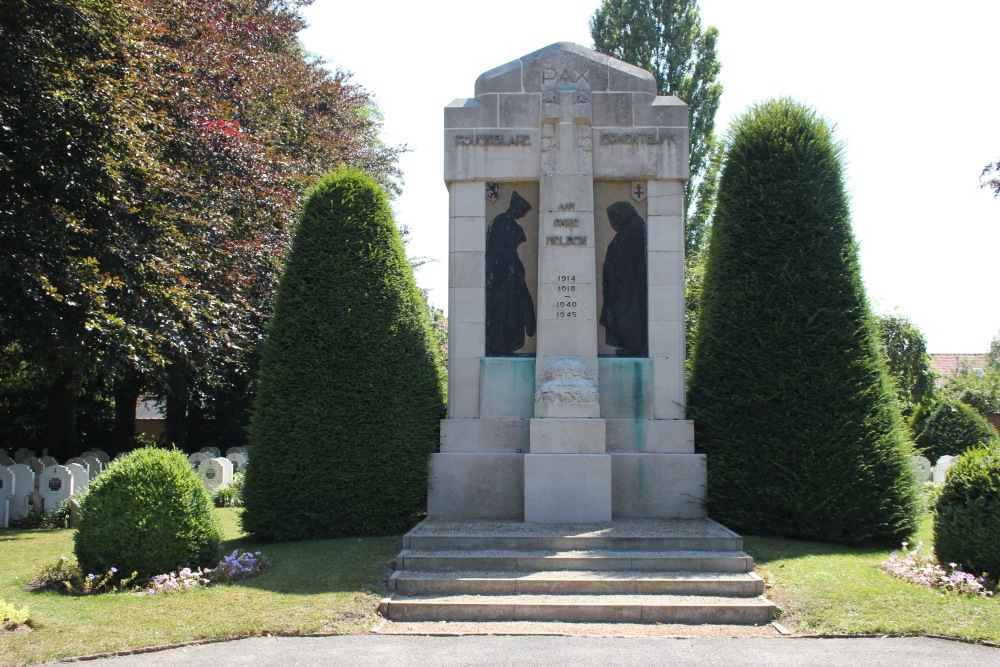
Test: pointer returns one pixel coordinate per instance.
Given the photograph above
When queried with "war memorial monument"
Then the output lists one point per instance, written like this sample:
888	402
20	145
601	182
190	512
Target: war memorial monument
566	450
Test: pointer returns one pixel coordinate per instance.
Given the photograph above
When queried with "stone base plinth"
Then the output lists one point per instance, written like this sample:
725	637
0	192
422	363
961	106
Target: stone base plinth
567	436
472	485
661	486
567	488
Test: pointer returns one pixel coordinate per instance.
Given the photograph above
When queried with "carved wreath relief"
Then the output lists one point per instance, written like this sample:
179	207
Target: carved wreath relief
567	382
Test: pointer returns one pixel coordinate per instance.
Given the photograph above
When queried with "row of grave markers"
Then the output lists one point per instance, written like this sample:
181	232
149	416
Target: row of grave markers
28	481
932	473
215	470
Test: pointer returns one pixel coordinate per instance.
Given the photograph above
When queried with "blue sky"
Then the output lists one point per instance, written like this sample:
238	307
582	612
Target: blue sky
912	92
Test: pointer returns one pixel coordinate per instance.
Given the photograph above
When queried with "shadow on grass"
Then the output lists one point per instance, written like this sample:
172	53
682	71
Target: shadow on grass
766	549
348	564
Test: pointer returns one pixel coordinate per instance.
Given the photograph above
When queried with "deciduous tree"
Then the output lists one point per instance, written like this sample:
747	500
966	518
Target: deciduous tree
908	363
666	38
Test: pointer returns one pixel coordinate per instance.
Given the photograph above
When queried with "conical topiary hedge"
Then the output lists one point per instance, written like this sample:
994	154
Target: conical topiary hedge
350	396
788	389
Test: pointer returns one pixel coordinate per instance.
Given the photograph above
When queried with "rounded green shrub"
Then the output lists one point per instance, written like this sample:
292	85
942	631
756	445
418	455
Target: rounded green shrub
952	428
967	521
147	512
789	390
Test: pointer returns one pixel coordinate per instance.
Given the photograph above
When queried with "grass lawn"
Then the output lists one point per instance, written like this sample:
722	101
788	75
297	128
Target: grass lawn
829	589
323	586
333	586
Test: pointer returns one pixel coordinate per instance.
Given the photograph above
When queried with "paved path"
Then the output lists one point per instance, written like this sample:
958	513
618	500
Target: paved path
383	650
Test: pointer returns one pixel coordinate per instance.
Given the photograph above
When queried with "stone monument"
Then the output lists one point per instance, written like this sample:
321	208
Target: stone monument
565	175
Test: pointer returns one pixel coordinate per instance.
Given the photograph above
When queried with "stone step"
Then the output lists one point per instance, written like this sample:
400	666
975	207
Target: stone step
513	560
692	609
622	534
575	543
736	584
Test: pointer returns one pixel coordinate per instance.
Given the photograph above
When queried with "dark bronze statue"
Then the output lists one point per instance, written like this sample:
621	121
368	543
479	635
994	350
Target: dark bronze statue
510	311
625	314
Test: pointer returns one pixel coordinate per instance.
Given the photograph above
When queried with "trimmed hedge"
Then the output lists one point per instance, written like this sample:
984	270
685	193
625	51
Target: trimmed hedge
788	388
952	428
967	521
147	512
350	395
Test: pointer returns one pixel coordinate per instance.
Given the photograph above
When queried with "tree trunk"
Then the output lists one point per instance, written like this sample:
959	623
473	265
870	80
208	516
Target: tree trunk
175	431
126	393
60	413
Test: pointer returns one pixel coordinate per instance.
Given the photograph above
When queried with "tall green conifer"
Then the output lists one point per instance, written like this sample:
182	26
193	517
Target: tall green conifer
350	395
789	390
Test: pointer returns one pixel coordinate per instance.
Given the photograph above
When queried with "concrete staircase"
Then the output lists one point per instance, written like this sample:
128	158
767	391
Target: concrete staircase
628	571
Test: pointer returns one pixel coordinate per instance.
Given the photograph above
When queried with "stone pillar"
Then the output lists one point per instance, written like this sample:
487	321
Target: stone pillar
567	474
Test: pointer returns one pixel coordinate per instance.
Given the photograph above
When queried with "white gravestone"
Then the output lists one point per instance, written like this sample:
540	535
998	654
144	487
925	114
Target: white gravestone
101	455
23	453
36	466
231	450
48	460
55	484
216	473
75	459
553	416
923	468
214	451
81	477
941	468
94	466
23	488
239	461
5	460
198	458
6	488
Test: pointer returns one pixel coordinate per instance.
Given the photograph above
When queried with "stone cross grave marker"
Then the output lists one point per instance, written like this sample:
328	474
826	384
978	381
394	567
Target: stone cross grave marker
565	175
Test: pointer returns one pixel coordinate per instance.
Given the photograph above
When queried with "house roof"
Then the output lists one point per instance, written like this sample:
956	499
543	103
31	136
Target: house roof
948	365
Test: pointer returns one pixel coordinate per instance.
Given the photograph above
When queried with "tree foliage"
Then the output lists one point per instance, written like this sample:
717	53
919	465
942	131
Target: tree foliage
154	153
351	394
789	392
990	178
951	428
666	38
908	363
967	516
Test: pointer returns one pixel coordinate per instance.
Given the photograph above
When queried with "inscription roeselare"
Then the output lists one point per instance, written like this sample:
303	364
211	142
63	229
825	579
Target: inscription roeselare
492	140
